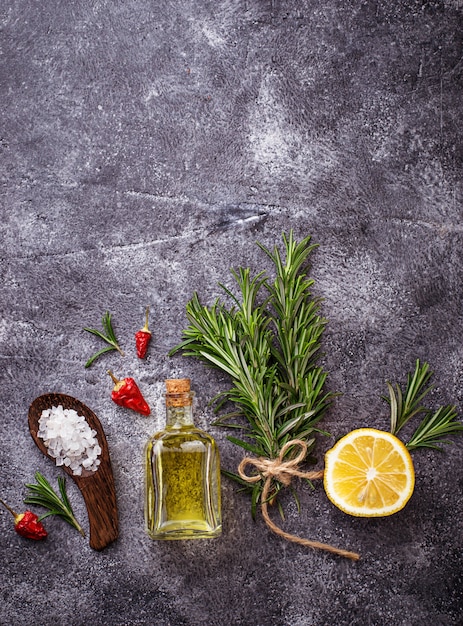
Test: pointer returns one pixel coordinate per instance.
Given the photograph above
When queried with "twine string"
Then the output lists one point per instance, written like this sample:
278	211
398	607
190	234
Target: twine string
284	471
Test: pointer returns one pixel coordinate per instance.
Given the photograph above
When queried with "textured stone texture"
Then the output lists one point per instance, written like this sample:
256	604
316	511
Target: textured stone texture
145	147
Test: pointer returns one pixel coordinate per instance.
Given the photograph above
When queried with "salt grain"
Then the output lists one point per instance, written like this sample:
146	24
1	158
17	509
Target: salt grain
69	439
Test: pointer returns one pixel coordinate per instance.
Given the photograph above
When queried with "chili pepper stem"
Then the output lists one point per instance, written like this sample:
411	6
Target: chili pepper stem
115	380
145	328
9	509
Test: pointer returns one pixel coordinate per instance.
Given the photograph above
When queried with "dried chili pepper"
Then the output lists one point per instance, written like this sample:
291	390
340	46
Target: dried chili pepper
127	394
142	338
27	524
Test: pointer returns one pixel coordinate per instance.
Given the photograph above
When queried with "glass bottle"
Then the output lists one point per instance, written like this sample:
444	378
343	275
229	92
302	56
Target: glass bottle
182	493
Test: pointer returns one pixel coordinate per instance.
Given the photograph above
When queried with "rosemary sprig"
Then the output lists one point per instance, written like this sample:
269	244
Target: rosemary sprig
109	338
435	426
268	342
407	404
434	429
42	494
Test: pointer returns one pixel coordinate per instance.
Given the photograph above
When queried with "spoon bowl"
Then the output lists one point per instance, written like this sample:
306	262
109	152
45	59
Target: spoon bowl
97	488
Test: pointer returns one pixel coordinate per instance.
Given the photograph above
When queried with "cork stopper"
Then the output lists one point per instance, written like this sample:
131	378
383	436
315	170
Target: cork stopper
178	385
178	392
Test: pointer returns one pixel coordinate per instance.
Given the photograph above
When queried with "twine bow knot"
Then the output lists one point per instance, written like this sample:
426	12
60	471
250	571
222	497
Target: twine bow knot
284	471
278	468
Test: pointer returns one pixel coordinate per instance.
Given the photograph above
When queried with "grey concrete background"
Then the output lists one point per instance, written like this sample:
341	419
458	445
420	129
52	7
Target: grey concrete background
145	148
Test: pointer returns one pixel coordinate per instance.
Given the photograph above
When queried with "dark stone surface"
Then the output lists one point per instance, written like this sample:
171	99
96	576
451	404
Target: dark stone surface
145	147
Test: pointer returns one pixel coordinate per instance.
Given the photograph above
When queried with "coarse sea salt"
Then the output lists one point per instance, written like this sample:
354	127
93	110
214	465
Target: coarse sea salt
69	439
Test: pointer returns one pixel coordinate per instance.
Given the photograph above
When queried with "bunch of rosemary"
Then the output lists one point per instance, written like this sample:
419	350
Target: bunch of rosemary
268	342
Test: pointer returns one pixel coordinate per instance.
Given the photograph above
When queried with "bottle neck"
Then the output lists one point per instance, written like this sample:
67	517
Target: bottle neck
179	410
178	416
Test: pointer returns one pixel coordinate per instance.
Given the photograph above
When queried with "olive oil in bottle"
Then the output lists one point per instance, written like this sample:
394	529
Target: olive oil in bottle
182	493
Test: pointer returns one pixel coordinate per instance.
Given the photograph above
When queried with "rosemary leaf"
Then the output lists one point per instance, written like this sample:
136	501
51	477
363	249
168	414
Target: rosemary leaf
255	497
237	478
107	325
42	494
98	354
246	446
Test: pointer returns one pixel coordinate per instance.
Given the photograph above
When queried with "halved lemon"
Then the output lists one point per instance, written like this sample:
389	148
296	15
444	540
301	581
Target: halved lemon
369	473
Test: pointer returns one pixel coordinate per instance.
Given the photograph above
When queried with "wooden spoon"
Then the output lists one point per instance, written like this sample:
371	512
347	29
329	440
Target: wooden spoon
97	488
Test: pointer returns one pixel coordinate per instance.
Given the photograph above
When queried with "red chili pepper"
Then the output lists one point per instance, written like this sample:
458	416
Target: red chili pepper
127	394
142	338
27	524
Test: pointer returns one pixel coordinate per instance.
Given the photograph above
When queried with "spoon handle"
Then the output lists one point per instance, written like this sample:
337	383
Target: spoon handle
100	499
